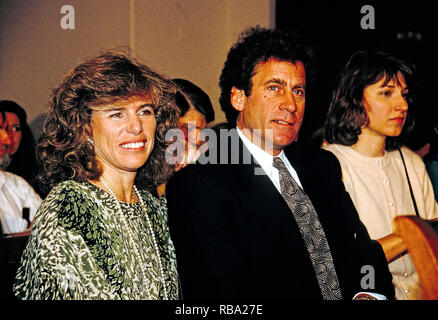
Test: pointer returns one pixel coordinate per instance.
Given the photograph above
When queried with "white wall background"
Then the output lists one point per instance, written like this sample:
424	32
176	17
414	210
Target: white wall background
178	38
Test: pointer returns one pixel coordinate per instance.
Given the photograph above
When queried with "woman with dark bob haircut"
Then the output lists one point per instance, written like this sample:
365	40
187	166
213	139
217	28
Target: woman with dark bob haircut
368	115
100	234
190	96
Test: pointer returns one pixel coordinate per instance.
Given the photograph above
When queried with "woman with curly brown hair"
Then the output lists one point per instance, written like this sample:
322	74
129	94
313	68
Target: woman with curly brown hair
100	234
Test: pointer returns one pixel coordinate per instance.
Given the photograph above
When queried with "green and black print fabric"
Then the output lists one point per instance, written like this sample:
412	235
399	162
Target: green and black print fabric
78	248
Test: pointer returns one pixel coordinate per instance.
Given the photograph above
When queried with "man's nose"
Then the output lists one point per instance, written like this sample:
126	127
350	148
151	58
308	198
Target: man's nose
290	103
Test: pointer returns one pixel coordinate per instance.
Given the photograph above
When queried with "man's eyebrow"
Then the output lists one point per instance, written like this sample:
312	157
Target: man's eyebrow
282	82
276	80
300	85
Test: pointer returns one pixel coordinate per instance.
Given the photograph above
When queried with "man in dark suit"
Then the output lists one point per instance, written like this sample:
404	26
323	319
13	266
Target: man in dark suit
242	226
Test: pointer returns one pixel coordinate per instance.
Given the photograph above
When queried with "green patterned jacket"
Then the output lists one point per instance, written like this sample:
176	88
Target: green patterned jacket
78	248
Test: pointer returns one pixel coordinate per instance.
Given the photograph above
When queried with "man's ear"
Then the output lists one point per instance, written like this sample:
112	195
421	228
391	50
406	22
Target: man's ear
238	99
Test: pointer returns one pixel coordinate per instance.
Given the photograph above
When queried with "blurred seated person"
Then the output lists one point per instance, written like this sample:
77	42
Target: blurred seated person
21	148
18	200
196	112
221	125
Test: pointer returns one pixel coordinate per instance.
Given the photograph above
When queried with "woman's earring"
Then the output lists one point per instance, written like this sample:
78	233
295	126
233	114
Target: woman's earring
90	141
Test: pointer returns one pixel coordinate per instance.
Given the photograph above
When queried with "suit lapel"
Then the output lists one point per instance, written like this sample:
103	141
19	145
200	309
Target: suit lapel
307	171
256	184
264	202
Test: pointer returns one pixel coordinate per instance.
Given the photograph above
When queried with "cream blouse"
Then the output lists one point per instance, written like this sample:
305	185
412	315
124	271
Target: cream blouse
380	192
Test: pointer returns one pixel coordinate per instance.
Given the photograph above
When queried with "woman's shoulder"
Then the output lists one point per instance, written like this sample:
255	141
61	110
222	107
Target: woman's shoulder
345	154
151	201
72	191
407	152
410	156
68	199
70	185
336	149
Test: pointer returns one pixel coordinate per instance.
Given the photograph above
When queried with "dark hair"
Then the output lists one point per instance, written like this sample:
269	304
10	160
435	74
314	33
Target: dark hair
63	149
346	114
24	160
196	96
257	45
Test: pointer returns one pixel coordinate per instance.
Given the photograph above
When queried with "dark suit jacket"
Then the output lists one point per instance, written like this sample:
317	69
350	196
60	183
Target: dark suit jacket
235	237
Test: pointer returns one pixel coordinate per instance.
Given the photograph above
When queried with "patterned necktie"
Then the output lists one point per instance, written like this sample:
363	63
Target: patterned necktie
311	231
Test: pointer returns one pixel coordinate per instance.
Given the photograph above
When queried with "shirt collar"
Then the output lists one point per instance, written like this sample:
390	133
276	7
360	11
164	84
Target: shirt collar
264	159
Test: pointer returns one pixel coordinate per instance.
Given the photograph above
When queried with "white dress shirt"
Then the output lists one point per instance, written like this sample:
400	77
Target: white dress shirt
266	161
16	194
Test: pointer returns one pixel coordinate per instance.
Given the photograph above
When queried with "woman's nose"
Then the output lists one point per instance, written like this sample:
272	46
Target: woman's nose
4	137
402	104
135	125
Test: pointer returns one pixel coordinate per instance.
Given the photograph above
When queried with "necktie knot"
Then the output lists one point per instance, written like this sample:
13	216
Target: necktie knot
278	164
287	183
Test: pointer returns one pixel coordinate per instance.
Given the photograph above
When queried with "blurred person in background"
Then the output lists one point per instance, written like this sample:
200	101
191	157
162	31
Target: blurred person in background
21	147
18	200
196	113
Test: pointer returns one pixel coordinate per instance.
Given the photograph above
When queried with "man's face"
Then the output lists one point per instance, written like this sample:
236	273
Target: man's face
275	106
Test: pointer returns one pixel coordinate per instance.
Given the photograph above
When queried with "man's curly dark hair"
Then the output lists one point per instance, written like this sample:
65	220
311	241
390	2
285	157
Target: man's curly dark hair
64	151
257	45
